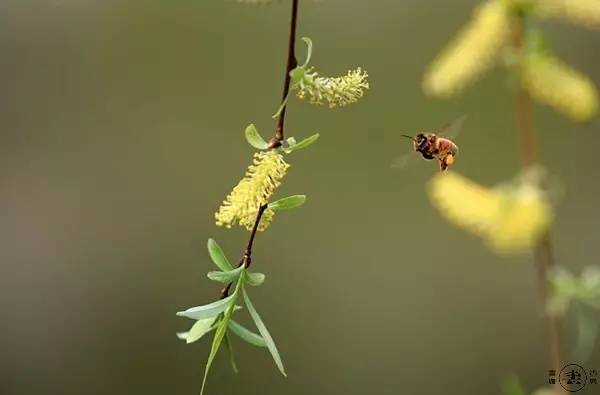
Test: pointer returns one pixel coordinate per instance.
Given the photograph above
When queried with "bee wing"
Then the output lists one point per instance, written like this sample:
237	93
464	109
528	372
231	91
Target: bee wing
451	130
404	161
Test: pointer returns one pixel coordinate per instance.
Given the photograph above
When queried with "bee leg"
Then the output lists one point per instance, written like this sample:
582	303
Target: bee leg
443	165
446	161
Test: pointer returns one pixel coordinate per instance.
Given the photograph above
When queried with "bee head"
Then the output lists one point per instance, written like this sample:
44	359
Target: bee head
420	141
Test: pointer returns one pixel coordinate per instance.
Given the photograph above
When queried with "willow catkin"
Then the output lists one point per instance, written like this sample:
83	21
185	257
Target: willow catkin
336	91
552	82
509	218
471	53
581	12
253	191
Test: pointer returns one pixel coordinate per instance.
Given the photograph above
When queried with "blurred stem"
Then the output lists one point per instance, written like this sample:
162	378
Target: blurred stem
527	140
277	138
543	254
544	260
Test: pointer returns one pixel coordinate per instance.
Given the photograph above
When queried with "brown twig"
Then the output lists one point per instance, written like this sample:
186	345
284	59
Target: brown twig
276	140
291	64
247	257
543	255
545	261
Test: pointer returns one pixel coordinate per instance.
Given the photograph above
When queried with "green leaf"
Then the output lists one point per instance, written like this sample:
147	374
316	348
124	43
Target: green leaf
297	75
221	331
217	256
247	334
264	332
586	332
282	105
199	329
231	354
254	138
255	279
182	335
512	386
309	50
303	143
225	277
288	202
208	310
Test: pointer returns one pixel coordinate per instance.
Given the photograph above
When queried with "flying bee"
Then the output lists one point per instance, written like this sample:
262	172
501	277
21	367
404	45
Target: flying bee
433	145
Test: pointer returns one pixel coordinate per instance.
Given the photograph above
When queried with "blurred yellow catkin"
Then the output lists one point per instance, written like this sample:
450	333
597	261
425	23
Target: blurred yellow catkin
556	84
509	218
582	12
253	191
472	52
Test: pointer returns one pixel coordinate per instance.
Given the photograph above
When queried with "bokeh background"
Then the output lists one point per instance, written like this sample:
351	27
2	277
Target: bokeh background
121	131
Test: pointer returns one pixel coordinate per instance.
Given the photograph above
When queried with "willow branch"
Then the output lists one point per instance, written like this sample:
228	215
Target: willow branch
276	140
543	254
291	64
247	257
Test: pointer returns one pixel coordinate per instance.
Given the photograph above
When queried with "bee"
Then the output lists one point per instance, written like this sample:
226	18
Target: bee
433	145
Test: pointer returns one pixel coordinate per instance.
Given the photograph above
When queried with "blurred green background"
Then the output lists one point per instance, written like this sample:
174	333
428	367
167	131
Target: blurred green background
122	130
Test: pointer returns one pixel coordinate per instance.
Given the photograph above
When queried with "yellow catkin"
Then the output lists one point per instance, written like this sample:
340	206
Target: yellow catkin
582	12
253	191
472	52
509	219
525	216
336	91
556	84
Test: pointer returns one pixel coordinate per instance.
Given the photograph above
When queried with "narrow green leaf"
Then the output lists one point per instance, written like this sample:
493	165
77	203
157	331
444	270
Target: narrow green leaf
214	348
220	332
264	332
208	310
309	50
199	329
303	143
255	279
232	362
288	202
254	138
182	335
225	277
281	106
217	256
246	334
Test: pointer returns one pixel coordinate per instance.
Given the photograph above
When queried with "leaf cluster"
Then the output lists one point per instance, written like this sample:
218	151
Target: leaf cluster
218	315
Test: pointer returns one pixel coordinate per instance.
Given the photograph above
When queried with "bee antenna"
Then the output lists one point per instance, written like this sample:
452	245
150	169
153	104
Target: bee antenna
408	137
